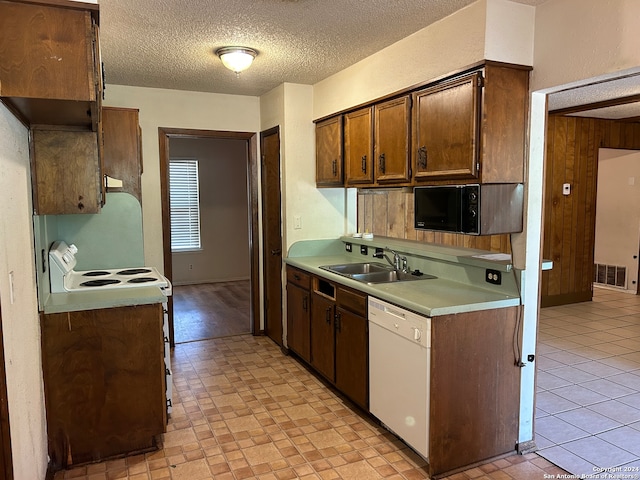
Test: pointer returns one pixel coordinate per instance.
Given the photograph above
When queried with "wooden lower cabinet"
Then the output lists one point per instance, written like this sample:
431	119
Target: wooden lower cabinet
104	382
474	390
323	335
327	328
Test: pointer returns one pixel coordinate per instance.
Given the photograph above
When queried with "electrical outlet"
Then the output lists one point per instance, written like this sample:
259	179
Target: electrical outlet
348	247
364	250
493	276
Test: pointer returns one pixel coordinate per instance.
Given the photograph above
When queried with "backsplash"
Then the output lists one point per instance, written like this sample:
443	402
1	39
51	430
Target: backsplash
389	213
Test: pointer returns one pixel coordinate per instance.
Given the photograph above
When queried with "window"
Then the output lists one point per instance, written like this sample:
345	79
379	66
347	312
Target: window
185	204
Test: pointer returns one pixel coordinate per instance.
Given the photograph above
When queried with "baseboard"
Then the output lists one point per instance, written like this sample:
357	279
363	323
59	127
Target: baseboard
203	282
565	299
51	472
527	447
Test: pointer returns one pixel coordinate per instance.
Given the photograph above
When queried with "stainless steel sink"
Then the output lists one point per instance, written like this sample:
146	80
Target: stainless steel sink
372	273
349	269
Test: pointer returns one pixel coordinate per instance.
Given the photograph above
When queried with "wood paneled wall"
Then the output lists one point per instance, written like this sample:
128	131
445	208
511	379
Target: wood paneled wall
389	213
569	221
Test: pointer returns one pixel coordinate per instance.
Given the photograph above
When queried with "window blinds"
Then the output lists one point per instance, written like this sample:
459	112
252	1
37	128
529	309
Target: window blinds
185	204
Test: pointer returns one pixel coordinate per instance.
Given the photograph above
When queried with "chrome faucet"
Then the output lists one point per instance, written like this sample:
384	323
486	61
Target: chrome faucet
399	262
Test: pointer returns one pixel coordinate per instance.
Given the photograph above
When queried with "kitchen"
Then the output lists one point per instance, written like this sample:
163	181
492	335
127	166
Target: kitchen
560	58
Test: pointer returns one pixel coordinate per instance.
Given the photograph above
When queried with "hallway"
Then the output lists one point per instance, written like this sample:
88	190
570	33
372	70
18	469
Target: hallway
588	384
211	310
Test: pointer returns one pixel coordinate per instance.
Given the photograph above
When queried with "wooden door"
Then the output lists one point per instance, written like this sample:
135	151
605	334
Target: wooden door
272	233
122	155
392	140
298	321
329	152
322	335
358	147
352	368
446	138
6	465
66	171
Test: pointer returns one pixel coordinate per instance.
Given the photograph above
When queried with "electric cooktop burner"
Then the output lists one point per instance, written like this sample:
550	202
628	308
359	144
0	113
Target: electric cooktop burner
133	271
99	282
97	273
142	280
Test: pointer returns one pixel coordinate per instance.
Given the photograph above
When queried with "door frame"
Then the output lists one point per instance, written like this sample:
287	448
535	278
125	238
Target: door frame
6	459
164	135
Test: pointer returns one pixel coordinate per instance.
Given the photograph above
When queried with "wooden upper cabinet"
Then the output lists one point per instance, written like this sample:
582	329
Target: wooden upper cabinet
358	147
472	128
329	153
50	69
65	170
392	140
122	155
446	120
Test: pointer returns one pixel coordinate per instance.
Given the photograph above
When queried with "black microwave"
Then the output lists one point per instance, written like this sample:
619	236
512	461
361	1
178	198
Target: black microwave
474	209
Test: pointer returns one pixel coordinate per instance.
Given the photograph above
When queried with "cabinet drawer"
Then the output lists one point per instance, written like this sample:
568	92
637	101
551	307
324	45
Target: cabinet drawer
298	277
351	300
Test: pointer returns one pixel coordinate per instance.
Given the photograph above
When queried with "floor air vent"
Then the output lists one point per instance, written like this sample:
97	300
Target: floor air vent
611	275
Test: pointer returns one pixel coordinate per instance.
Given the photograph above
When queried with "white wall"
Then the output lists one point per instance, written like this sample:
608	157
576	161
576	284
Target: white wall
602	39
20	322
461	39
617	214
176	109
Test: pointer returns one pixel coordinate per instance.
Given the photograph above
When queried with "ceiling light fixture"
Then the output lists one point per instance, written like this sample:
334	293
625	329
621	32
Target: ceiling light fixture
236	59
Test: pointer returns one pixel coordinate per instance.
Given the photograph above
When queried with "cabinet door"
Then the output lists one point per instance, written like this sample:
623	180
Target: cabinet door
298	321
358	147
66	172
48	54
329	152
322	335
352	356
104	382
121	150
446	138
392	140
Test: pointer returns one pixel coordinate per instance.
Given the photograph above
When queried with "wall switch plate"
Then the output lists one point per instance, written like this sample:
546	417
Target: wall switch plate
364	250
566	189
493	276
297	222
348	247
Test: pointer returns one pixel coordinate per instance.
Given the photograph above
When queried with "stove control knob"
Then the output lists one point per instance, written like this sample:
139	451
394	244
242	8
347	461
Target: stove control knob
66	257
73	249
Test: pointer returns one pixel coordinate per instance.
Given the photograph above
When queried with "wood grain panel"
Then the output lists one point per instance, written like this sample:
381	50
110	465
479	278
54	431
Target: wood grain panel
122	155
389	213
470	352
104	382
569	221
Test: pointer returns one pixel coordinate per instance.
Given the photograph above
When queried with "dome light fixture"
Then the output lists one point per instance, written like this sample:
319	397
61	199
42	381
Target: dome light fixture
236	59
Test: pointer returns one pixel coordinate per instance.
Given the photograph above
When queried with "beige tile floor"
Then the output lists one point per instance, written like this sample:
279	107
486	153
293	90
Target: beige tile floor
244	410
588	384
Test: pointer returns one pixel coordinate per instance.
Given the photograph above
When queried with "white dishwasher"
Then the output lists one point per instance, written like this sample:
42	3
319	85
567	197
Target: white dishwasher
399	358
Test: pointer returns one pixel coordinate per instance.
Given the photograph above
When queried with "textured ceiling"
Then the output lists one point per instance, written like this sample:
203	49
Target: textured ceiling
171	43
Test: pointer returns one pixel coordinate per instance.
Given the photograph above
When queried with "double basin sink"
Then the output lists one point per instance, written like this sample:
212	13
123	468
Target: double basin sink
373	272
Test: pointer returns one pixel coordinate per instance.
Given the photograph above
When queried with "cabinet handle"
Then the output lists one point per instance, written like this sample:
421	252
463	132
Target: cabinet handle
328	315
276	252
381	163
422	157
338	323
305	303
334	166
296	276
364	164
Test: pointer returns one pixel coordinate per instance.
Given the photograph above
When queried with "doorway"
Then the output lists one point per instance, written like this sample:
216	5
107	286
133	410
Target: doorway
250	143
210	247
